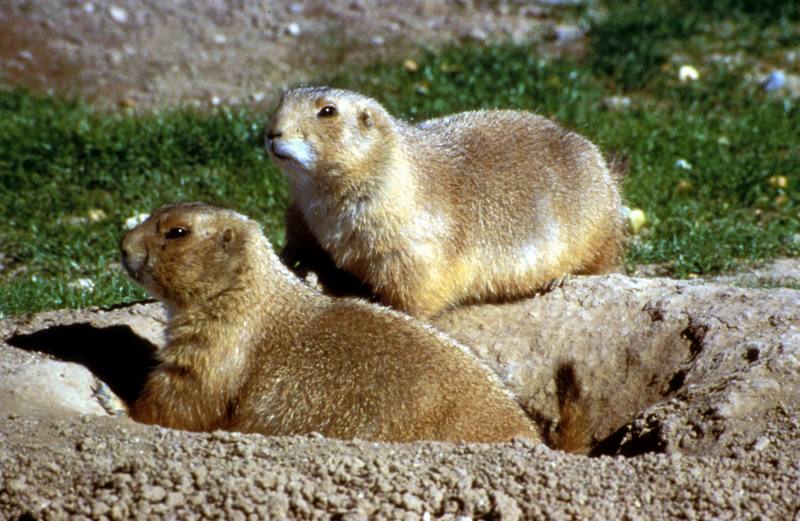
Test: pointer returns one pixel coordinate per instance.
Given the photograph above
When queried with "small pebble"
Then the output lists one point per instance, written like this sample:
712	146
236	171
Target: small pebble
154	494
220	39
293	29
16	485
377	41
778	181
761	443
410	65
88	7
617	103
216	101
775	80
683	164
688	73
568	33
296	8
258	97
135	220
96	215
118	14
83	284
685	186
636	220
478	34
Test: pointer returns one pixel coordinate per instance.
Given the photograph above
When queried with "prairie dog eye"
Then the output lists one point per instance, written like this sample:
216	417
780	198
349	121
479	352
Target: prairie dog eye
327	111
176	233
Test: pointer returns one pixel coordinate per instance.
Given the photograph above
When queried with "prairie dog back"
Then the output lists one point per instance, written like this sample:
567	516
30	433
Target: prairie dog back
252	348
476	206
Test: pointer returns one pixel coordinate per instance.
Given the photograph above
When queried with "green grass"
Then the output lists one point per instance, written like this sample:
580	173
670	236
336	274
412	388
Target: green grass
631	44
59	160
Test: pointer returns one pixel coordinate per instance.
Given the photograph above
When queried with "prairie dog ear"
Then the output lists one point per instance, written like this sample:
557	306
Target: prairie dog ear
365	117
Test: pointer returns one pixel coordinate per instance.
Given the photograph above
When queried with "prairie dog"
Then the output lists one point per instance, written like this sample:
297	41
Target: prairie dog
477	206
252	348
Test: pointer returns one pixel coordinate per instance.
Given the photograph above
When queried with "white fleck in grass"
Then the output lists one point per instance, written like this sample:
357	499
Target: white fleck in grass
96	215
83	284
135	220
688	73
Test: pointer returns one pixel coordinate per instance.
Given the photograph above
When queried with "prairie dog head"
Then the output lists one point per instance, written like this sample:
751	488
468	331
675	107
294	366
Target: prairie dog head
187	253
320	134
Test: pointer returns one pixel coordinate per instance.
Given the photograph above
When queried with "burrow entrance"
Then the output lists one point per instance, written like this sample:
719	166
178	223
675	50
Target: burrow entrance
623	369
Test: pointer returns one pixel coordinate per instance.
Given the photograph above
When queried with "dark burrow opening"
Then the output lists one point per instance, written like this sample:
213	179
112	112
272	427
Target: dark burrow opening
625	381
115	354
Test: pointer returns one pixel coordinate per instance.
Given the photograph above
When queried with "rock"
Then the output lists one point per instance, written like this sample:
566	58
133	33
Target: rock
775	80
568	33
118	14
96	215
293	29
683	164
410	65
617	103
778	181
636	219
135	220
688	73
82	284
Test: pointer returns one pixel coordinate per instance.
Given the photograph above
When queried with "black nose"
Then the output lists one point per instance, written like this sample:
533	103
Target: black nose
272	134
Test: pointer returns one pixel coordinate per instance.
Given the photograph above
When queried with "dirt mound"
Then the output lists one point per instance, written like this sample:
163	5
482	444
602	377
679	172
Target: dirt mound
699	381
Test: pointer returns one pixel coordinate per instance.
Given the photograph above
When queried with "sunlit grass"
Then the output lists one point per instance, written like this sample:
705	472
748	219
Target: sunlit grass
70	175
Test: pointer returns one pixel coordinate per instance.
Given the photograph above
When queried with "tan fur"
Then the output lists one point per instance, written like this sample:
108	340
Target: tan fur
252	348
477	206
574	430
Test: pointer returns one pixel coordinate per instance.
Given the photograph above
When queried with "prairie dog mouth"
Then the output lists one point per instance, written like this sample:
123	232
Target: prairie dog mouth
274	151
297	150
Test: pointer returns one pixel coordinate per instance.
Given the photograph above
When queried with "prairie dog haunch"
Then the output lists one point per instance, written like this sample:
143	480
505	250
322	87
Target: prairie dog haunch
477	206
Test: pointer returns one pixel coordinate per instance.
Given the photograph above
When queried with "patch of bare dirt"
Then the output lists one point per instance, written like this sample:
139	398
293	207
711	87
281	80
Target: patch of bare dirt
696	393
150	53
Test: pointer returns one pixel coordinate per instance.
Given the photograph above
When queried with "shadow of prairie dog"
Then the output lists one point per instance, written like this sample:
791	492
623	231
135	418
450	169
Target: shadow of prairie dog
477	206
252	348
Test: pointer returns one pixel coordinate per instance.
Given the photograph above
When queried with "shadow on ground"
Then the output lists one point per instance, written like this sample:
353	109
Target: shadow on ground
115	354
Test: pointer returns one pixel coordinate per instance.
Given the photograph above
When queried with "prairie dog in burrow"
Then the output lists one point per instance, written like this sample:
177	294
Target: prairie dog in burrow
477	206
252	348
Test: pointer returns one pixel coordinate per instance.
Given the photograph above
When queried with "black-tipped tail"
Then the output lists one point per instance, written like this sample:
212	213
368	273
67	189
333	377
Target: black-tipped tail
573	432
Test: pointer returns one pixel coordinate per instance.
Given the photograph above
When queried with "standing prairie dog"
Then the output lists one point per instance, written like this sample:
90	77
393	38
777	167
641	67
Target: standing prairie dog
252	348
477	206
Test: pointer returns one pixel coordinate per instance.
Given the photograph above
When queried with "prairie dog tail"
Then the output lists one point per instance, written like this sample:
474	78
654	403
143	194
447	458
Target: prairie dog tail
573	433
